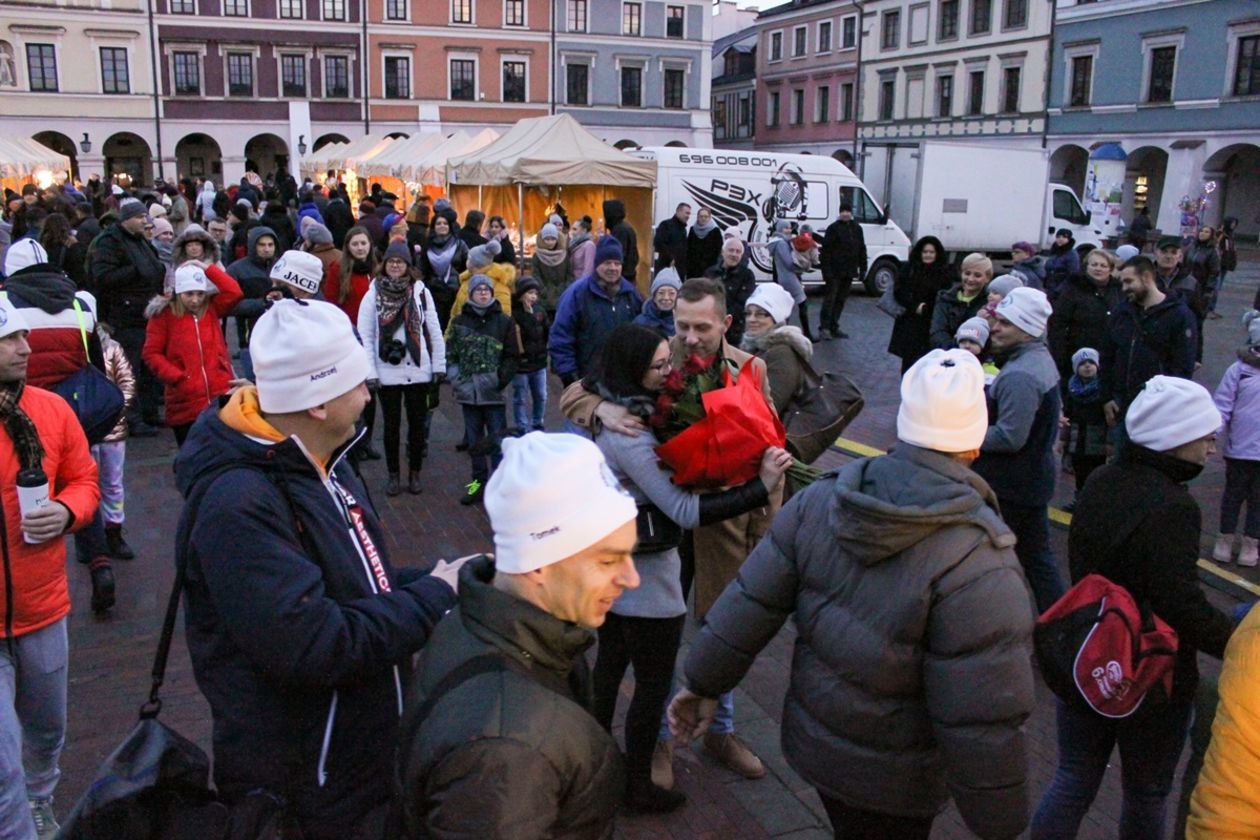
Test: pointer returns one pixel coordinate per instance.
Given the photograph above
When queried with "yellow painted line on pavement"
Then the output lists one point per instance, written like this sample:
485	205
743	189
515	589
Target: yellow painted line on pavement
1225	574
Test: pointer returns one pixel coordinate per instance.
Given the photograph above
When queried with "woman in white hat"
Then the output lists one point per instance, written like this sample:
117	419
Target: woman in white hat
784	348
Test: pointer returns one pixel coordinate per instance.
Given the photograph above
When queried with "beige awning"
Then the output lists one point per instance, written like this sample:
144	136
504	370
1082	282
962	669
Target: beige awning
391	160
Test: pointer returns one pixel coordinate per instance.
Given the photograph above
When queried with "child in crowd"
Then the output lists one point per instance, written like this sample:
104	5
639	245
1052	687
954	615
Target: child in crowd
481	357
531	376
658	309
1238	400
805	251
999	287
973	336
111	453
1084	418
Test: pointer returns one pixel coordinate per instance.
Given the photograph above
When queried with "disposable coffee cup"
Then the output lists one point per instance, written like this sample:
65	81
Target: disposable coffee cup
32	490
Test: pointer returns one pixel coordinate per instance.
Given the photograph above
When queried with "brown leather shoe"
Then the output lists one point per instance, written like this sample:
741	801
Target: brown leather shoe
729	750
663	765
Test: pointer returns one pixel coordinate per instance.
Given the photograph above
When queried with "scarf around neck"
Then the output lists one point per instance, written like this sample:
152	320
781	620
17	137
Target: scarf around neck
704	230
21	429
441	254
1085	391
551	257
395	306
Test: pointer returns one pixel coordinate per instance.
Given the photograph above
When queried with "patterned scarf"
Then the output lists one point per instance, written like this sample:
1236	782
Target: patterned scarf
395	304
30	450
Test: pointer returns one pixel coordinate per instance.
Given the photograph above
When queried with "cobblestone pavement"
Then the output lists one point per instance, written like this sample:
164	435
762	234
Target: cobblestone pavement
111	657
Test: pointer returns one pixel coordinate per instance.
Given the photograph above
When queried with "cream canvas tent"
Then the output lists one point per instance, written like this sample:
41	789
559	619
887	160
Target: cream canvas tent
318	162
390	160
543	164
431	169
22	157
358	150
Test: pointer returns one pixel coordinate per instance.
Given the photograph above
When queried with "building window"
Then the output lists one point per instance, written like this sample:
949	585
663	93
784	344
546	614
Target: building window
513	81
41	63
577	81
631	18
334	9
1010	90
887	95
395	9
187	69
397	77
944	96
291	8
776	46
975	96
464	79
981	17
293	76
236	8
240	68
824	36
947	26
577	16
183	7
848	32
798	41
719	119
846	102
337	76
675	85
632	87
1247	71
1014	14
114	75
772	110
675	17
890	39
744	119
514	13
796	108
1082	76
461	11
822	103
1163	65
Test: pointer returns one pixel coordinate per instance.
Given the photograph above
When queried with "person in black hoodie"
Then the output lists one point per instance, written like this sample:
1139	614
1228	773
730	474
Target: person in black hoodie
470	232
276	217
253	272
926	274
843	257
617	227
299	628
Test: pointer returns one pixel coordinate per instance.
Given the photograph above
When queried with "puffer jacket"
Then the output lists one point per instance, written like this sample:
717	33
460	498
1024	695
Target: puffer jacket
188	354
33	589
432	349
505	754
482	354
912	661
1080	318
654	319
786	351
253	273
299	628
127	273
1225	805
1141	343
950	312
585	316
501	274
1237	398
534	328
46	298
119	371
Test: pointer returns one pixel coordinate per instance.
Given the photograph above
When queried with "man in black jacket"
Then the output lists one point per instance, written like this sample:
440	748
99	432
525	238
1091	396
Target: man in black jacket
670	241
843	257
498	741
618	228
299	628
127	273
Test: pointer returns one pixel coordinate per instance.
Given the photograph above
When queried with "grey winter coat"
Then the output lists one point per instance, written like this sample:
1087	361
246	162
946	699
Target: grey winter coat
786	274
786	351
911	675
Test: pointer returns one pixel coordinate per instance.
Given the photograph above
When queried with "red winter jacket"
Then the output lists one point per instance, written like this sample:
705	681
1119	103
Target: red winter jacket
188	354
37	573
46	298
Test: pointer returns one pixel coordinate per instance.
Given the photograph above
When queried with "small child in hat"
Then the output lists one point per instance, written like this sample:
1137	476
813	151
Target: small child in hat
973	336
1086	442
805	251
1238	400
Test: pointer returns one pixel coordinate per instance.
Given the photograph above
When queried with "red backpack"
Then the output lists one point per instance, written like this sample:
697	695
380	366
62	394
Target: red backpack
1096	645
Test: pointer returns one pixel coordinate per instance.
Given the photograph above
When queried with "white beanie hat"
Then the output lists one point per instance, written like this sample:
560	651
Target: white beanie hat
1171	411
942	403
1085	354
304	355
1028	309
552	496
23	254
774	299
300	270
156	210
1126	252
190	278
11	318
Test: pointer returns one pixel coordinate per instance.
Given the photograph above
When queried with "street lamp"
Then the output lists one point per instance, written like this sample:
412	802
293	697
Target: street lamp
86	143
302	144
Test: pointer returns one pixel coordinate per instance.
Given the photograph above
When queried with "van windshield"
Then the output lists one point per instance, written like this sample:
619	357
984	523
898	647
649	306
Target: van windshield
865	210
1067	207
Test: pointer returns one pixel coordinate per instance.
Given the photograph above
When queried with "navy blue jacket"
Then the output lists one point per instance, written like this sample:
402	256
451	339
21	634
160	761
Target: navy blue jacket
1142	343
585	316
297	637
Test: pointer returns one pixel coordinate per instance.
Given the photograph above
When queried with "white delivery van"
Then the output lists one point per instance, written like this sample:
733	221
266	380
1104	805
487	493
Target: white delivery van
983	198
751	190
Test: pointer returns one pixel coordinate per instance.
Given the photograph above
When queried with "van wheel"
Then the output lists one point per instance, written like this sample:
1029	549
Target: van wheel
881	277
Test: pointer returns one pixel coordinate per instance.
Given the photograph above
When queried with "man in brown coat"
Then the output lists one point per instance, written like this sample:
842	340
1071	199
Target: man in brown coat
718	550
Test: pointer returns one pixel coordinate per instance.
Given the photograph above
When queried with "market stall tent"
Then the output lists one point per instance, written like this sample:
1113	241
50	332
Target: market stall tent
24	158
431	169
390	160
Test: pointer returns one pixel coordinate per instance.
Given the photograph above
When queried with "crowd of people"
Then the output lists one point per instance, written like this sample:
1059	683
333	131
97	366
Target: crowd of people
357	697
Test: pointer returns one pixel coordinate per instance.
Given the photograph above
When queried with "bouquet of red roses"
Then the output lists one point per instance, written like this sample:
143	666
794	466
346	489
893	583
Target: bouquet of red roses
715	424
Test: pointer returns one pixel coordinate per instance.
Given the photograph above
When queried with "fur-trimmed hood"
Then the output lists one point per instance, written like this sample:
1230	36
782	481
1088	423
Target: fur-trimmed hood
195	233
787	335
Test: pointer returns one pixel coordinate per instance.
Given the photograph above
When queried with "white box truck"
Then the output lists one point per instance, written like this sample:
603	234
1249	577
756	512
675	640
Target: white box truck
983	198
751	190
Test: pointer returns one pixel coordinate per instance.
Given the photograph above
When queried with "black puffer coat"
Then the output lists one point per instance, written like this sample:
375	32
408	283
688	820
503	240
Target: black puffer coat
504	754
918	284
127	273
911	676
950	313
1080	319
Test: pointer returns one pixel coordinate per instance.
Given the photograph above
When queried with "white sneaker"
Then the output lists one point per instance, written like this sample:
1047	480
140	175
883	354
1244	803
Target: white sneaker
1224	548
46	826
1249	554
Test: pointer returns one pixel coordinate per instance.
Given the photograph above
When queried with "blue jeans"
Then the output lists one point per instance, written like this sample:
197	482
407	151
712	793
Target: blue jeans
536	384
481	422
1150	742
1031	526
